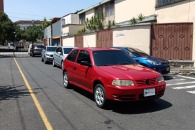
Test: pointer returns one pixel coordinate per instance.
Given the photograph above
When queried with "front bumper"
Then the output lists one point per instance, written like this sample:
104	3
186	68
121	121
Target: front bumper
133	93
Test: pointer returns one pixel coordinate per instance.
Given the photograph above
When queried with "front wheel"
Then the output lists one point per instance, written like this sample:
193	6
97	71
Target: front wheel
54	64
100	96
65	80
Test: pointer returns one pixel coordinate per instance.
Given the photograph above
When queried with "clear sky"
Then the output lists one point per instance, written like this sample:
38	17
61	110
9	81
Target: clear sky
38	9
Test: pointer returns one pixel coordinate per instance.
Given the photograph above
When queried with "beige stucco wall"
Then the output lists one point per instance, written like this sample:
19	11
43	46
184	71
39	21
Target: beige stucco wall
179	12
89	40
133	36
68	41
127	9
89	14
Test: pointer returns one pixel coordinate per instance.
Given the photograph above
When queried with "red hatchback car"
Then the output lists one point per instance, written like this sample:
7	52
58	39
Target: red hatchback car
111	74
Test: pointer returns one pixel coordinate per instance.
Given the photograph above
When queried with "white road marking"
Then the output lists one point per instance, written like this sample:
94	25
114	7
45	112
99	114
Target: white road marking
192	92
185	87
180	83
186	77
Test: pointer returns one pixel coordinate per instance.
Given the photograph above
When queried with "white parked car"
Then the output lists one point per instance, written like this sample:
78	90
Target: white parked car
60	54
47	54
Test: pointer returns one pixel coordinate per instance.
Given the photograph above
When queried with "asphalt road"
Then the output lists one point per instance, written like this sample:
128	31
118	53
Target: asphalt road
36	100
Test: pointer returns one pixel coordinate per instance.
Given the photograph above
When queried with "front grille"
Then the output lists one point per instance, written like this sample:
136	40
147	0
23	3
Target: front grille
146	82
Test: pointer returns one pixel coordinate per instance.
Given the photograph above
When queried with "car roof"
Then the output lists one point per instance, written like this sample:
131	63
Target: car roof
96	48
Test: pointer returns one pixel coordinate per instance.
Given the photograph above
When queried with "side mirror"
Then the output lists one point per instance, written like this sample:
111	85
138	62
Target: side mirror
85	63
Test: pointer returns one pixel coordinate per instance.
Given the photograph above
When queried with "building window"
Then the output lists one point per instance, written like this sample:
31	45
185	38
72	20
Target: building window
82	18
160	3
63	22
99	10
109	9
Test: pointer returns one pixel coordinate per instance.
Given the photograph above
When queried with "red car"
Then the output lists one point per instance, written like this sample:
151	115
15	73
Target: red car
111	74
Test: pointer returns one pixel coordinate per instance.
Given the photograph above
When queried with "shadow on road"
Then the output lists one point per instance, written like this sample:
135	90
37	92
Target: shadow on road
140	107
12	92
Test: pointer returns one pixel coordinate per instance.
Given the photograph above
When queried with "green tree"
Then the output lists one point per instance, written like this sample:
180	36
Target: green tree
7	29
45	23
33	33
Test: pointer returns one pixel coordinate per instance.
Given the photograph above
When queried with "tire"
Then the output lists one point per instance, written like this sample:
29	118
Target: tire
100	96
62	65
45	60
54	64
65	80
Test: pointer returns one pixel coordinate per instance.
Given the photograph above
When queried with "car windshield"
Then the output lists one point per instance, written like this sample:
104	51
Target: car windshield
112	57
51	48
39	46
137	52
67	50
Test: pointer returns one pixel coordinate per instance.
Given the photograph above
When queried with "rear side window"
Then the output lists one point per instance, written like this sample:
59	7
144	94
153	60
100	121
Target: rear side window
72	55
83	56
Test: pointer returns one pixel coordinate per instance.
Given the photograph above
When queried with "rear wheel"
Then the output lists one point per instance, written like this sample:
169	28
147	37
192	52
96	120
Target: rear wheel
65	80
100	96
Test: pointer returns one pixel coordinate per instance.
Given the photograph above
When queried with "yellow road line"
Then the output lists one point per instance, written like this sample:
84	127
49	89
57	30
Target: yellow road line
37	104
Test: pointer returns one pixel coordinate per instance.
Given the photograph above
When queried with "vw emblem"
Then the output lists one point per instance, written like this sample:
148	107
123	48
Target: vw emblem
147	81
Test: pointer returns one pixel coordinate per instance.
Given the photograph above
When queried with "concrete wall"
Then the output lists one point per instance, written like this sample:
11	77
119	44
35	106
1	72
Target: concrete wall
89	40
68	41
127	9
133	36
177	13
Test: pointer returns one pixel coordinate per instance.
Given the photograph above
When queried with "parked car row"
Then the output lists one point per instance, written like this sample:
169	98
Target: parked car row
118	73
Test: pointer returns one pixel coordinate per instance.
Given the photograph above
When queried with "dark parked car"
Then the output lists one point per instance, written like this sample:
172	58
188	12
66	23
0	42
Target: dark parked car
111	74
36	49
47	54
158	64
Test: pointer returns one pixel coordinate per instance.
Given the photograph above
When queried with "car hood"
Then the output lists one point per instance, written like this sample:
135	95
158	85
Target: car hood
134	72
153	59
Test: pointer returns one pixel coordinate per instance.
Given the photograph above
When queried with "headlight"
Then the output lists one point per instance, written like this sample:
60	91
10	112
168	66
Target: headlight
47	55
160	79
154	63
122	82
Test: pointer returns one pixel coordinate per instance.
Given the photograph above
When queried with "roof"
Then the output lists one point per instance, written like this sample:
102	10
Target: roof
96	5
29	22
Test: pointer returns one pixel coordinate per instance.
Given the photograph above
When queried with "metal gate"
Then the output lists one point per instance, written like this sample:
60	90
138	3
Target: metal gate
79	41
105	38
172	41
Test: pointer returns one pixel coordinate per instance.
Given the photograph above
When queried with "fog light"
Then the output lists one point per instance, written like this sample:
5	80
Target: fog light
115	96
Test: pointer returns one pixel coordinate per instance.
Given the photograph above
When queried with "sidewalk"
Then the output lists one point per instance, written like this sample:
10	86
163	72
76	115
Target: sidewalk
188	71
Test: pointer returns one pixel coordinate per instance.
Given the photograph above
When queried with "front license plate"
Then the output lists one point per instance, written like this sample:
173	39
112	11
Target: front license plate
149	92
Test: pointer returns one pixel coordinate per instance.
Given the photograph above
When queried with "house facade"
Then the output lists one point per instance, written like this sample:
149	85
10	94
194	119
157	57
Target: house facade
23	24
165	30
180	16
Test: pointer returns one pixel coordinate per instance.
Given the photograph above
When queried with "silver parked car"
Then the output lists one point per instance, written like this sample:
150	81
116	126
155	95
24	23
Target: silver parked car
47	54
60	54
